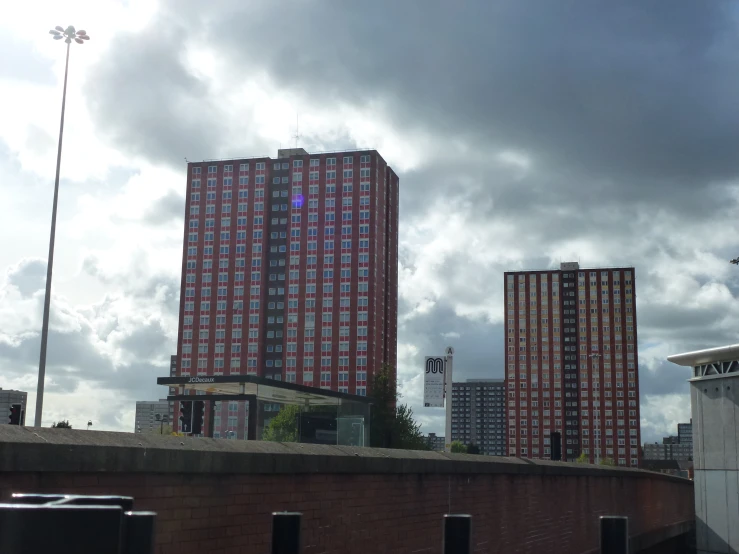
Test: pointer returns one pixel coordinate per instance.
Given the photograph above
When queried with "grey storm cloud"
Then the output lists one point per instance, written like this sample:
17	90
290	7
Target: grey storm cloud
28	276
73	358
674	322
151	104
632	89
80	342
169	207
479	347
615	102
665	378
147	341
140	284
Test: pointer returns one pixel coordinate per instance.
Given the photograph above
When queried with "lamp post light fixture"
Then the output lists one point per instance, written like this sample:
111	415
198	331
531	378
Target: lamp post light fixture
162	419
68	34
89	424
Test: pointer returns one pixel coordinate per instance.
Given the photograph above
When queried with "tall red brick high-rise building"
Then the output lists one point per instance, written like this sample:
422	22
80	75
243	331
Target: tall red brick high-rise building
290	271
572	365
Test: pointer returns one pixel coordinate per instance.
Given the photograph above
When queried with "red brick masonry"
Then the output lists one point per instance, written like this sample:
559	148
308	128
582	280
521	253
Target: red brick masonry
217	495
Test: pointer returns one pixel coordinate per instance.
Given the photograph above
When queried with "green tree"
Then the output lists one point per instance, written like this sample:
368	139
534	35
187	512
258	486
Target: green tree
608	462
63	424
458	448
583	458
407	433
165	429
284	426
473	449
392	425
383	409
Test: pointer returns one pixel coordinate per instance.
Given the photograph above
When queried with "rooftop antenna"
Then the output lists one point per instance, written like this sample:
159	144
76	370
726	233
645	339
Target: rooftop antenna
297	135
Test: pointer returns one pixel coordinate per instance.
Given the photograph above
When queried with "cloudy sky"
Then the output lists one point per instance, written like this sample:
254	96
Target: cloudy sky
524	134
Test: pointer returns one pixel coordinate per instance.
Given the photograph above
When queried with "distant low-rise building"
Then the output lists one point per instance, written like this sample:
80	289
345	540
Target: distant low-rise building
678	447
658	451
146	416
680	468
435	443
8	398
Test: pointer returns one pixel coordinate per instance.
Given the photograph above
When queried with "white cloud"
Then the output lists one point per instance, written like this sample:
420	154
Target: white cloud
661	414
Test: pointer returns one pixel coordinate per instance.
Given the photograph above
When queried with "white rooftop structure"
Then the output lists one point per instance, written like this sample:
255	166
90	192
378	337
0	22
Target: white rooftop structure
714	396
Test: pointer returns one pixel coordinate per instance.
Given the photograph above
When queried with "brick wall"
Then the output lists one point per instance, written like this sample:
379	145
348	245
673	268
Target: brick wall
364	500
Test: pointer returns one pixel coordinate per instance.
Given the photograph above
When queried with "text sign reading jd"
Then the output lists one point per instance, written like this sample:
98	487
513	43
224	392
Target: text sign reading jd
433	382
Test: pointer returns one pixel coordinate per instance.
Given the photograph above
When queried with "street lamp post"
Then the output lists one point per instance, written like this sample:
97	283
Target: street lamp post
162	419
89	424
596	421
79	37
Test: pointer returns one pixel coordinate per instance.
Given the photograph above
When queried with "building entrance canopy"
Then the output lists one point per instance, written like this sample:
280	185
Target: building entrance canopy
320	416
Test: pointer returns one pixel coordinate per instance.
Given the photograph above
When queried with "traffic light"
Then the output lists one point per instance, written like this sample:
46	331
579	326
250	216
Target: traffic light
198	412
186	416
14	417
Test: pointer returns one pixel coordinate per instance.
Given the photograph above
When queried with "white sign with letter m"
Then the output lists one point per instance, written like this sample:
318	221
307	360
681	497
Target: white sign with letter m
433	382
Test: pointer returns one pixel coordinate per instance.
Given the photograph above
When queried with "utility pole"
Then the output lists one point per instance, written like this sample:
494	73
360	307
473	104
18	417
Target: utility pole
448	370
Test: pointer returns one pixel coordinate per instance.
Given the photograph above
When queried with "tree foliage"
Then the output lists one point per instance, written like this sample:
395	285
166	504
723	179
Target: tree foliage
407	433
583	458
63	424
392	425
284	426
608	462
473	449
458	448
383	410
165	429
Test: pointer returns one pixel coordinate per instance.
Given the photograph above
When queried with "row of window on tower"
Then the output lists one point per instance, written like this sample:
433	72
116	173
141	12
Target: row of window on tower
282	165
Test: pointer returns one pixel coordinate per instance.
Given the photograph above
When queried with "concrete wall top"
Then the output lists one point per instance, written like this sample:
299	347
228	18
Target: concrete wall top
33	449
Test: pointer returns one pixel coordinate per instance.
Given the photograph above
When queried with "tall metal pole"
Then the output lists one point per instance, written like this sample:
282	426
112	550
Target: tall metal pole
448	370
596	421
50	263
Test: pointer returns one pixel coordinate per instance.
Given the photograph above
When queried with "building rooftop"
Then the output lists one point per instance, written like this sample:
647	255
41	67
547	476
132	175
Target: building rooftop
283	153
237	386
571	266
707	356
